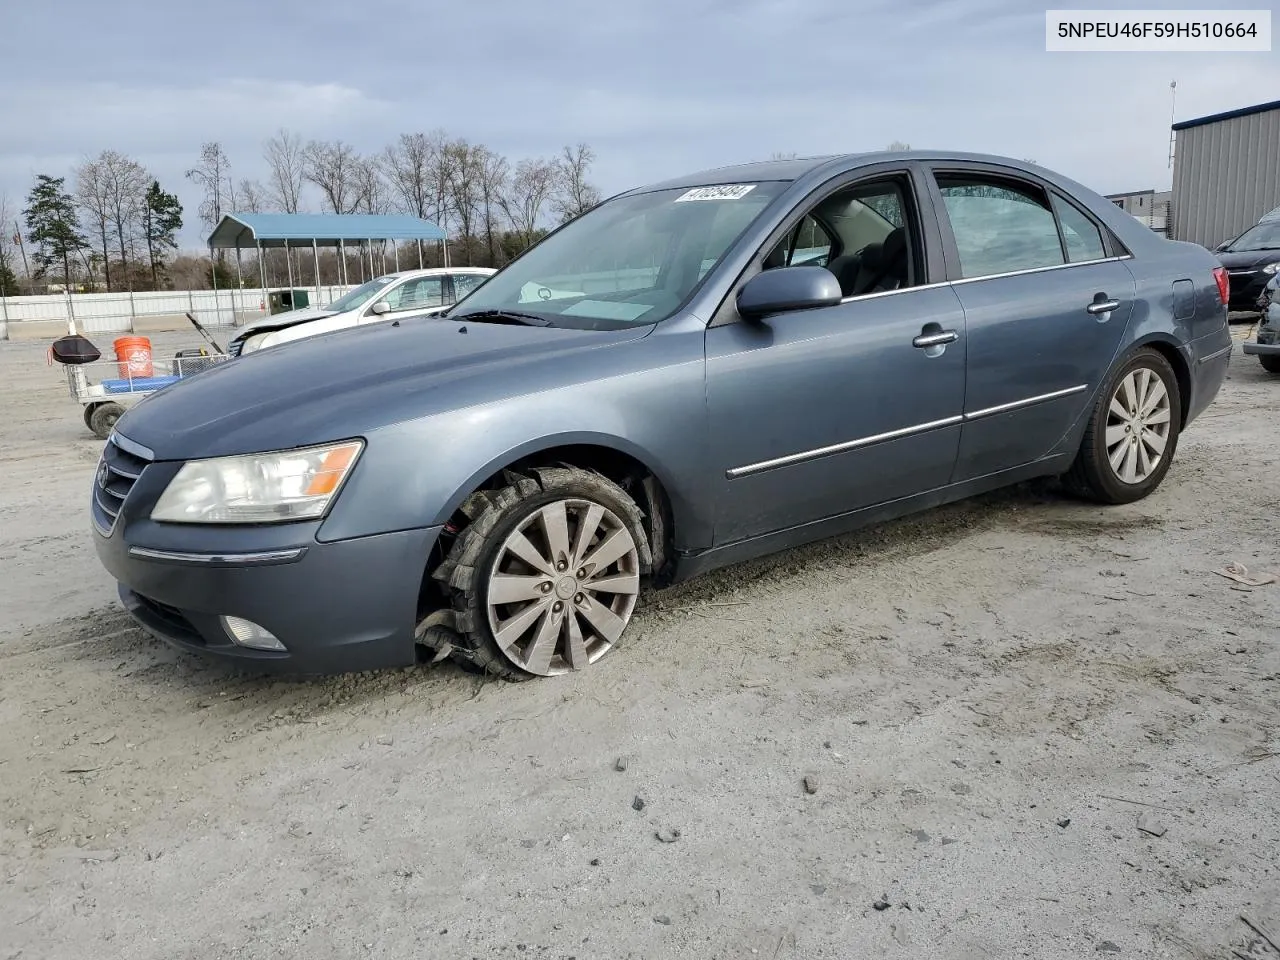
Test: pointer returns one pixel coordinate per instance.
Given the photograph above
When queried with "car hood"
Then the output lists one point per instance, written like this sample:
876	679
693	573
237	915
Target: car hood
279	321
346	383
1248	258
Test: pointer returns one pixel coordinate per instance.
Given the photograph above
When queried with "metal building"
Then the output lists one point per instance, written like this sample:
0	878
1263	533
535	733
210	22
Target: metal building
1226	173
1149	206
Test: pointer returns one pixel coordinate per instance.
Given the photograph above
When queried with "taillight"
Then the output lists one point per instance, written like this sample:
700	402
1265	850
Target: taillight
1224	284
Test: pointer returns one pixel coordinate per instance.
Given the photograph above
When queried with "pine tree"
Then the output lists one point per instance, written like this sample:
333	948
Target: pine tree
52	225
161	220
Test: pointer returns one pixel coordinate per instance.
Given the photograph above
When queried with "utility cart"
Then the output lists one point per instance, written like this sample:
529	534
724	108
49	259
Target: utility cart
107	388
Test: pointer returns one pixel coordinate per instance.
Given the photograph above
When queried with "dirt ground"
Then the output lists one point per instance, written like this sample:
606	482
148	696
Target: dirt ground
991	701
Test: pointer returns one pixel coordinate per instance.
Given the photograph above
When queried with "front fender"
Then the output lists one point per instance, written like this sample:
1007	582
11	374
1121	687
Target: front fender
416	473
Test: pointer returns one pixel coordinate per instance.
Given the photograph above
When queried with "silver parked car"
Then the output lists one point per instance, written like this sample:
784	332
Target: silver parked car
690	374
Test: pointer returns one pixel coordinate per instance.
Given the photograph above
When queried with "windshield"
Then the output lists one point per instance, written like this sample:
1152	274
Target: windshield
1263	236
360	295
632	260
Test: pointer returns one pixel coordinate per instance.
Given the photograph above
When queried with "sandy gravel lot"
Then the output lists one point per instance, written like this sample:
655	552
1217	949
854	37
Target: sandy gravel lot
992	701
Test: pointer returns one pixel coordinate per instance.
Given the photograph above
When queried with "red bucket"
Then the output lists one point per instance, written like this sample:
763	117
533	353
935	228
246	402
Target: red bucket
133	357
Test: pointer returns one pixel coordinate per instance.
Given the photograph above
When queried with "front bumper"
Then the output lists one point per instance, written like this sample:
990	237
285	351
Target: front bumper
1262	349
337	607
1246	288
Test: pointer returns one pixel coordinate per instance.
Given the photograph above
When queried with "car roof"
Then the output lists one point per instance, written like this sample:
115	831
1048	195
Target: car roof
796	169
433	272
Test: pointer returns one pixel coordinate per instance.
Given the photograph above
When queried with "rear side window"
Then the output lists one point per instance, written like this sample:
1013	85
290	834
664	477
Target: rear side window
1000	226
1079	233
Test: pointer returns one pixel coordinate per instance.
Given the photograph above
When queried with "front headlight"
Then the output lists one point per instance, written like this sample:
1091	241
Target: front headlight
1271	267
253	343
258	488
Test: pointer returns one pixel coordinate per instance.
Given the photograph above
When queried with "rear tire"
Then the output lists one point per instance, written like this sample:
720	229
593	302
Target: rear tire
104	418
1270	364
545	577
1132	432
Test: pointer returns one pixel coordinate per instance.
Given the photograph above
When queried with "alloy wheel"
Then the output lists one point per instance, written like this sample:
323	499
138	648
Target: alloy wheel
562	587
1139	419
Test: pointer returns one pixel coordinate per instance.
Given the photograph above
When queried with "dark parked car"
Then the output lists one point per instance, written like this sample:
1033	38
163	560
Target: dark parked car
1266	346
1252	260
654	390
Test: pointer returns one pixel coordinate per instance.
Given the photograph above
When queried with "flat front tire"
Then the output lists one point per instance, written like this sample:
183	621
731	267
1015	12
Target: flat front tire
1132	432
545	577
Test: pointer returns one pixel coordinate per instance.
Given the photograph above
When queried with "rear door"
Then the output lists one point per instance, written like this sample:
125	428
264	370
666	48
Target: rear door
1047	299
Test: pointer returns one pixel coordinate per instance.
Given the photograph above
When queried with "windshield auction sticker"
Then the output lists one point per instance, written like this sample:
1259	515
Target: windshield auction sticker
730	191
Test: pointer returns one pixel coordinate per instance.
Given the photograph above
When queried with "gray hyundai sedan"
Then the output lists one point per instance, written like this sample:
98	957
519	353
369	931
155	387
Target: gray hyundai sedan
690	374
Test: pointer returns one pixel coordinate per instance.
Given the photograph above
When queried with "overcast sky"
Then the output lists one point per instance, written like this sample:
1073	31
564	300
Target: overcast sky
657	88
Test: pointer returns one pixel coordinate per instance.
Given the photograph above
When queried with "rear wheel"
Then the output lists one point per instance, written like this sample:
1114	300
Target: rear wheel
545	578
104	418
1270	364
1132	432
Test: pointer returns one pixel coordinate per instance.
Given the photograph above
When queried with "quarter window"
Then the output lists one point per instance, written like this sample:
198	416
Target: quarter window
1000	226
1079	233
464	283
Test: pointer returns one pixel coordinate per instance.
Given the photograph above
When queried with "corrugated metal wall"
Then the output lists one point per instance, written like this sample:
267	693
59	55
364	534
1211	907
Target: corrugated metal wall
1225	176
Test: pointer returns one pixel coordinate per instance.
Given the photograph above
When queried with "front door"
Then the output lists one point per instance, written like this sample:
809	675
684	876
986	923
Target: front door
1046	309
815	413
411	297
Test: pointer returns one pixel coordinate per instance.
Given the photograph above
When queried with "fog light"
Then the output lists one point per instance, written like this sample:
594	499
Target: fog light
246	633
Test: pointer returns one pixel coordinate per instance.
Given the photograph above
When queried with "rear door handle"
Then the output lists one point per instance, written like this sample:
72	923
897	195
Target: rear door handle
1102	306
935	339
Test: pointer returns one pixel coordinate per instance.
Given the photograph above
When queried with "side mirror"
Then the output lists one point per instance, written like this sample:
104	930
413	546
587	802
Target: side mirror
1222	246
379	308
788	288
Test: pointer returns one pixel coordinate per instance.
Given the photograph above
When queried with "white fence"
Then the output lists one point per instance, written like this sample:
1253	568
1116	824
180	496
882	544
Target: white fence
115	312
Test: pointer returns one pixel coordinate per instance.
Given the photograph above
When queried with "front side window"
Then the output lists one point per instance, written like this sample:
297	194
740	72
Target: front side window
417	294
1000	226
631	260
860	233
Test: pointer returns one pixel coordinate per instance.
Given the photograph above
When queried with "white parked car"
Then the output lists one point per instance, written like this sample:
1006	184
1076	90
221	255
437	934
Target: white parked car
408	293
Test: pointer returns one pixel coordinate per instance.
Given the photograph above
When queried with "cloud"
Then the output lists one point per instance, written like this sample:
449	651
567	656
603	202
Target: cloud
658	89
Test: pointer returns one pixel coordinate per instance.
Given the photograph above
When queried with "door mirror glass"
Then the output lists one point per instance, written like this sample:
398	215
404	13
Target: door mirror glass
380	308
788	288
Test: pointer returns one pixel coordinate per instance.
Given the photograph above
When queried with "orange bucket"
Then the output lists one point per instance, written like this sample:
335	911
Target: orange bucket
133	357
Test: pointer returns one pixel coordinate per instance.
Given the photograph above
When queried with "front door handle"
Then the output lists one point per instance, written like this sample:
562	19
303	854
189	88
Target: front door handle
1102	306
938	339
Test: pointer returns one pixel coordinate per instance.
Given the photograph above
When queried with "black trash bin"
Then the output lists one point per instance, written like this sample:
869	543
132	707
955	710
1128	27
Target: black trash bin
278	301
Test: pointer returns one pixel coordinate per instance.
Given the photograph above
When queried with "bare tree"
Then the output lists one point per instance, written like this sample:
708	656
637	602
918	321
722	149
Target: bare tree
333	167
252	197
780	155
126	182
285	156
493	172
372	195
463	174
92	198
575	195
8	258
213	174
527	194
898	145
411	166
